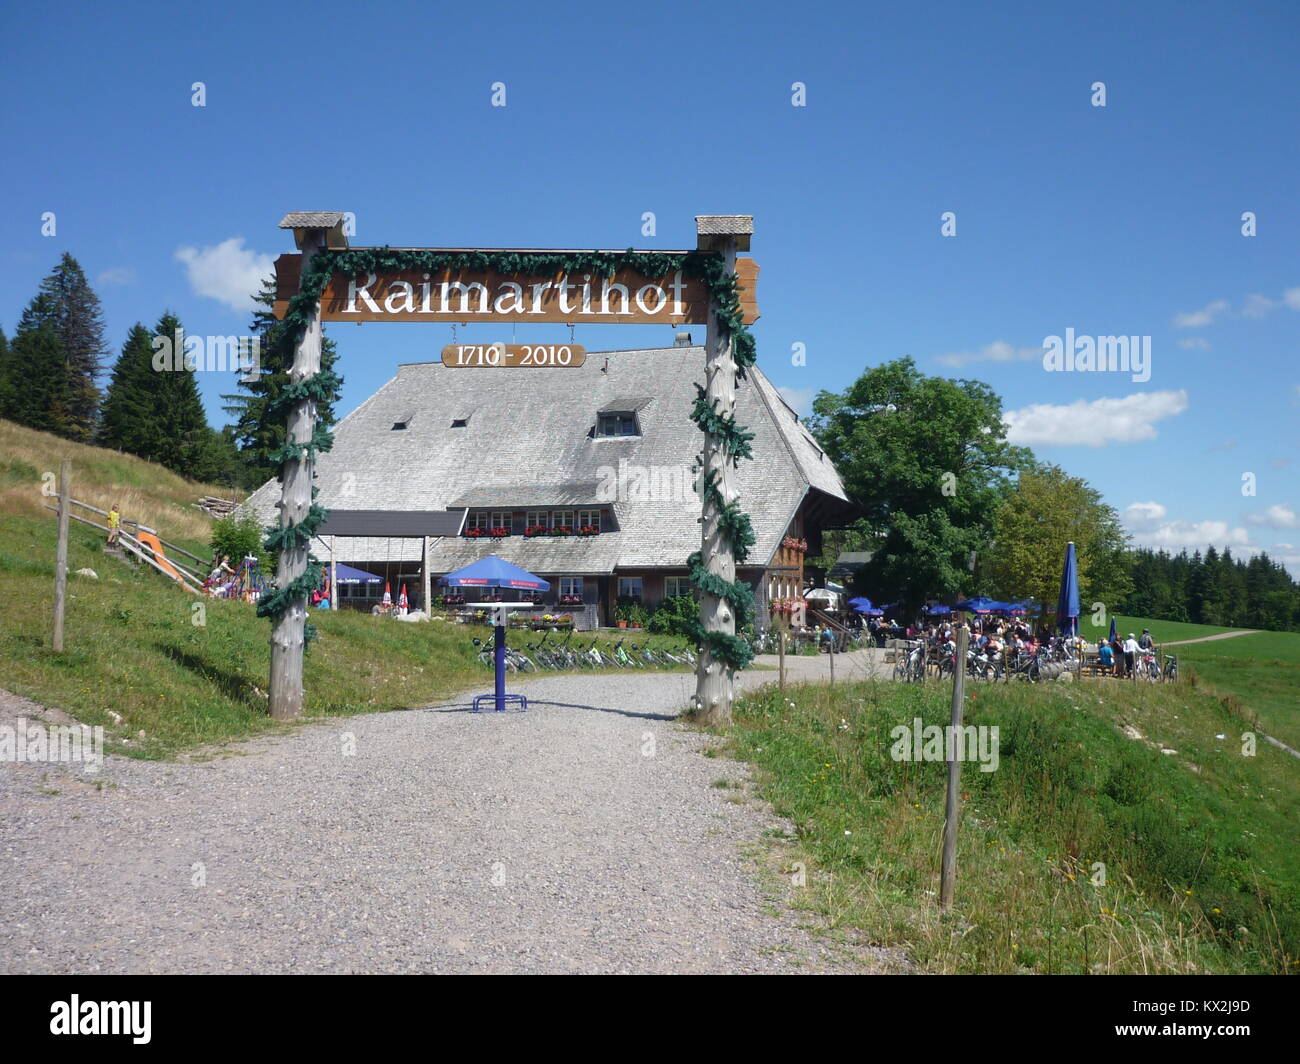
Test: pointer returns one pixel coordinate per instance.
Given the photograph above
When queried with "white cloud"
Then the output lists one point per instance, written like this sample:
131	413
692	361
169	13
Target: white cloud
1258	306
117	275
1144	514
1194	535
1276	516
1196	318
1291	297
227	272
998	351
800	399
1198	343
1096	422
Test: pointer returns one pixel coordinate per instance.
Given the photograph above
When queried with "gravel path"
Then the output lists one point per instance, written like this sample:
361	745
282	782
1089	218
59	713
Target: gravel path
585	835
1210	638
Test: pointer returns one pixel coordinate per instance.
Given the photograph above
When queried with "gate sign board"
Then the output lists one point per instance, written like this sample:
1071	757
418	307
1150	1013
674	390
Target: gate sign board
627	298
560	356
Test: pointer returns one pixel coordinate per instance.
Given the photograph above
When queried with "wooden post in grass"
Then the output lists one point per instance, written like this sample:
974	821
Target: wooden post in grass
780	644
61	553
312	232
830	650
715	685
952	806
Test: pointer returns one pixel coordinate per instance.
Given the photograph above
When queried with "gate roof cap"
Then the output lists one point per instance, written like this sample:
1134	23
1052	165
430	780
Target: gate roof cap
710	227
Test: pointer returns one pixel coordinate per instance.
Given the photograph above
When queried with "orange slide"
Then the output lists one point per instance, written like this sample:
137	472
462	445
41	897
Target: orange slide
148	539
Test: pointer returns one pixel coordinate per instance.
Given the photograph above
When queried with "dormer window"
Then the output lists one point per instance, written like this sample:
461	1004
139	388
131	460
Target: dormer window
460	422
613	423
402	422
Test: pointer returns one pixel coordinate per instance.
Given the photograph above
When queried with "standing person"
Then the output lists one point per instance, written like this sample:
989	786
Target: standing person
1130	655
1145	641
1117	649
114	524
1105	656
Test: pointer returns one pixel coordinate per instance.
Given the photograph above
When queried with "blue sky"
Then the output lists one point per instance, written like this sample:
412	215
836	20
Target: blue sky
1116	220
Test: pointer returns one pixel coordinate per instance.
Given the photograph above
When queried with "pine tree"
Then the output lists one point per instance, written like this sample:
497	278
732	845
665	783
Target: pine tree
6	375
256	433
69	305
131	416
38	380
186	437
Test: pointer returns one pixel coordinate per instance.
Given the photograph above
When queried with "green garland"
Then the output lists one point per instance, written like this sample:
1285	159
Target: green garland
708	267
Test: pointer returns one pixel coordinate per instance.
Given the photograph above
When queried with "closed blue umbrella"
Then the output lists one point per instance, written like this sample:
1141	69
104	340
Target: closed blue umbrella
1067	604
1113	634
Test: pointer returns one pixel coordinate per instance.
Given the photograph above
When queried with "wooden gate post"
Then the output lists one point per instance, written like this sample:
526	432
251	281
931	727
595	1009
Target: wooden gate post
61	553
295	498
715	686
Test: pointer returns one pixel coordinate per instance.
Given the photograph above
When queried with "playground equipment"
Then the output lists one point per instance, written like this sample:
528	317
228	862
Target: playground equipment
149	547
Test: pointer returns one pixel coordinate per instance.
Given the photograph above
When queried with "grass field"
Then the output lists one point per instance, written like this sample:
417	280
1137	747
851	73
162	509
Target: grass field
1198	845
1162	631
1262	671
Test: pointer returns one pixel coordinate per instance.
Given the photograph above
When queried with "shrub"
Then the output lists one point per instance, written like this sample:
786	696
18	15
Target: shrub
237	535
673	615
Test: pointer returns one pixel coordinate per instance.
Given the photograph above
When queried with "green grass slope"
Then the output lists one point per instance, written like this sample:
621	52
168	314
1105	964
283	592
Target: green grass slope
1197	845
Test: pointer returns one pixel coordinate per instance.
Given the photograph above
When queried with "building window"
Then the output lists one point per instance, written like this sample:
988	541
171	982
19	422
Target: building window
562	519
629	587
501	519
617	423
570	587
481	519
589	519
535	519
402	422
677	585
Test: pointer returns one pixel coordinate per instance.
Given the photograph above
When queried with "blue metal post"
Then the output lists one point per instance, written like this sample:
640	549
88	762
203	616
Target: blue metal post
501	668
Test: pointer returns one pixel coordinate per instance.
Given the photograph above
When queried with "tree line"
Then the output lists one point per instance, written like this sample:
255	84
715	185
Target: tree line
51	379
950	509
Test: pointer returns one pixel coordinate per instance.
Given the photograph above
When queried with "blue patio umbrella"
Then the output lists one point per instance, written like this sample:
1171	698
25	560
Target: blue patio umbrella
978	604
1067	604
496	572
1113	633
938	610
862	605
349	575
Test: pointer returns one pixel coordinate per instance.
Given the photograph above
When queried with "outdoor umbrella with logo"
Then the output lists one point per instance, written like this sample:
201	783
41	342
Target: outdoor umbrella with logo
497	572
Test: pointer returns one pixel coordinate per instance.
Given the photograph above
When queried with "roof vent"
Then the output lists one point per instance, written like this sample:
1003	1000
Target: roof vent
682	339
402	422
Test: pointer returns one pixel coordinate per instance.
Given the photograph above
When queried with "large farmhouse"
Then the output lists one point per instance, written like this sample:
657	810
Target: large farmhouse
581	475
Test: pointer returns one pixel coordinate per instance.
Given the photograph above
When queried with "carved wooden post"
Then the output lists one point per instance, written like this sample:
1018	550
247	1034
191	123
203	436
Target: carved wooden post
311	231
715	686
